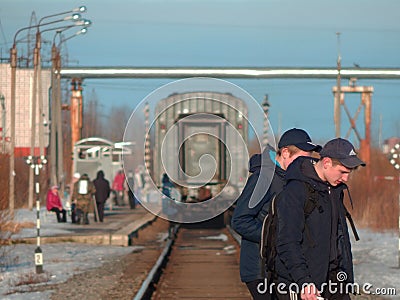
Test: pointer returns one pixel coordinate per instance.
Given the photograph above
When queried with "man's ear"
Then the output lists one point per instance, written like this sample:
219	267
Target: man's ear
327	162
285	153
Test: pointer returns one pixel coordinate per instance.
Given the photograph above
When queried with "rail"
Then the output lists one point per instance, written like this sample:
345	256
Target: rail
151	277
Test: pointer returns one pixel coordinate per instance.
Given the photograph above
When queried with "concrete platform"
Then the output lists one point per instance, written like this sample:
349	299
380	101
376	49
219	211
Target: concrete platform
119	226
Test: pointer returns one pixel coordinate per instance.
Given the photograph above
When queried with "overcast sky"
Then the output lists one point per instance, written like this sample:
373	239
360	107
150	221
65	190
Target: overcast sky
233	33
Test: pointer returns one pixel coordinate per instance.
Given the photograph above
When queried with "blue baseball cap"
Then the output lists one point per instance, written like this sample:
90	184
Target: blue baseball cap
299	138
343	151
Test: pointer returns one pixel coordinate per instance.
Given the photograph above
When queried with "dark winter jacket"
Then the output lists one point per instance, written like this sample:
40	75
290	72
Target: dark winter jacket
304	252
247	220
102	186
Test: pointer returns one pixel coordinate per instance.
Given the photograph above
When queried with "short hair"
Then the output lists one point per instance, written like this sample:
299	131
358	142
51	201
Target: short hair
291	148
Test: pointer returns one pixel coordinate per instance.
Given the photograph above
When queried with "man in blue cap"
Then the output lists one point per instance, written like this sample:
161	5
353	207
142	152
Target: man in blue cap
268	171
313	249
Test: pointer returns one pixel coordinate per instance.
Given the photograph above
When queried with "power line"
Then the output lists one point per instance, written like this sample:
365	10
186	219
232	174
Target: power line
3	35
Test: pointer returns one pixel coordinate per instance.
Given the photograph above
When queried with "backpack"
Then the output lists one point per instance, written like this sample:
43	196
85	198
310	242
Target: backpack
268	233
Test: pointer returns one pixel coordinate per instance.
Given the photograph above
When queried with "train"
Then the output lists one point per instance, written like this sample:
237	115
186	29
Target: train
201	141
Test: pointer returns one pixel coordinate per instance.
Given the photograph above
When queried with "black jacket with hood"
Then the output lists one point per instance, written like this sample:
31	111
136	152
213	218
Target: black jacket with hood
102	187
247	220
306	247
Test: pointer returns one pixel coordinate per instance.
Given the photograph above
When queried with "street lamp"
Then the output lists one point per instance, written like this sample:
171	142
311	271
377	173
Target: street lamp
37	92
56	142
13	64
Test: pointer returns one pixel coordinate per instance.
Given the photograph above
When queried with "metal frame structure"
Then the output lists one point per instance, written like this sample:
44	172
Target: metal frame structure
233	72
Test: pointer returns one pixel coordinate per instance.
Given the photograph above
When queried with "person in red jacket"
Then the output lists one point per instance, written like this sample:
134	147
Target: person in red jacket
53	203
119	187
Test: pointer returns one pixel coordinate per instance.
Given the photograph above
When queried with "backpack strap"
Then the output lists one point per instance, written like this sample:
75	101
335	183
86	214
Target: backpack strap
353	227
310	204
311	201
348	216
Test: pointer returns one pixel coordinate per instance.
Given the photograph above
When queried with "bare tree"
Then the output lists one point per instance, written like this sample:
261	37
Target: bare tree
91	118
116	122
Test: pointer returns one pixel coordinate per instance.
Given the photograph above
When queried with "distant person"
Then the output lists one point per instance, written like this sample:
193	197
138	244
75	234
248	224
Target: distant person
118	187
75	178
247	220
53	203
130	181
313	249
167	209
139	183
103	189
82	196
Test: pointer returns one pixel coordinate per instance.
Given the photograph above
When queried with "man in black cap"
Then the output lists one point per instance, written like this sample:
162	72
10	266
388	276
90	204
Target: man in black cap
313	249
267	179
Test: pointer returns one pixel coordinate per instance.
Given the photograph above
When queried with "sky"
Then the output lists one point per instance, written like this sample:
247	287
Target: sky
257	33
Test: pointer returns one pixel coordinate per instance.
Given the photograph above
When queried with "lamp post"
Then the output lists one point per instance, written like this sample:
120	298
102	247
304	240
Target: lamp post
56	142
37	92
13	64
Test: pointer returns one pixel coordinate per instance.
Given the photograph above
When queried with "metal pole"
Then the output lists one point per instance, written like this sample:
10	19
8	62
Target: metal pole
36	163
3	119
60	144
336	108
12	127
38	250
265	106
53	156
39	94
33	125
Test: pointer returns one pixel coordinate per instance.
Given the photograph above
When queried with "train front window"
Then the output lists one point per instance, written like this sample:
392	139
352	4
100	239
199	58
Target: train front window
201	157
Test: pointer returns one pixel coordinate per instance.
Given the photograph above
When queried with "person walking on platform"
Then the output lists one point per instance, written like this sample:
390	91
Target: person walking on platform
102	193
118	187
268	172
82	196
130	182
75	178
53	203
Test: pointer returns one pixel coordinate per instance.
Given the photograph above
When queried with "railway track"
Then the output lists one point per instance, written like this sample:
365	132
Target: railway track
197	264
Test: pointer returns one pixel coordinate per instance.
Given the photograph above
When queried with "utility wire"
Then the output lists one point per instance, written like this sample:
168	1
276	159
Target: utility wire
3	35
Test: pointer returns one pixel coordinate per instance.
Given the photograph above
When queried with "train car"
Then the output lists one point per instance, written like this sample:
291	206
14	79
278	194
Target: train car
195	152
93	154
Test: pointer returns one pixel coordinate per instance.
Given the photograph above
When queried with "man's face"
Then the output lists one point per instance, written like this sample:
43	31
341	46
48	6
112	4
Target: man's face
335	174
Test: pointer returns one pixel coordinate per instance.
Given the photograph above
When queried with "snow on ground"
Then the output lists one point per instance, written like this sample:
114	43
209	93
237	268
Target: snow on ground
60	262
375	260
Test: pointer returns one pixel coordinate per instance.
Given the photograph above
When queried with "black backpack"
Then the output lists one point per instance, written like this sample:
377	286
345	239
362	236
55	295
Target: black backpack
268	233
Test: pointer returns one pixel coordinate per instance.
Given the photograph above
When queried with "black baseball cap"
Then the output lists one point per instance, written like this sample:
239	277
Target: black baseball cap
343	151
299	138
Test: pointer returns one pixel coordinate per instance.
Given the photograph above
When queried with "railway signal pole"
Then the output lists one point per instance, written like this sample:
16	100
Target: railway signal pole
36	163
